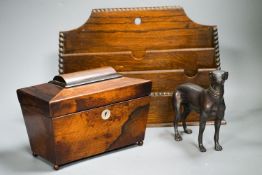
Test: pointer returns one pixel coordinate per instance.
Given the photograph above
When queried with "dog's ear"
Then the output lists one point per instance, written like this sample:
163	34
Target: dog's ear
225	76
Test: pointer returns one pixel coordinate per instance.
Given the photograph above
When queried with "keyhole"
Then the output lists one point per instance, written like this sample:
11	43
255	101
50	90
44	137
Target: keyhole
105	114
137	21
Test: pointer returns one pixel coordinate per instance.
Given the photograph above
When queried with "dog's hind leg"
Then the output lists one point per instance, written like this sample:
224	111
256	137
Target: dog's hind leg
177	104
184	116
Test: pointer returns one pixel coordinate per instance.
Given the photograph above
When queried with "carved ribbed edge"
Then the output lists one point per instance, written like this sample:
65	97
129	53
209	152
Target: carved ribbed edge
216	46
157	94
61	51
135	9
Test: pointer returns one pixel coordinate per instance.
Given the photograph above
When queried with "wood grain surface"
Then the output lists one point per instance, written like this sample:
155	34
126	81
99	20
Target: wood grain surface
65	124
94	95
85	134
167	47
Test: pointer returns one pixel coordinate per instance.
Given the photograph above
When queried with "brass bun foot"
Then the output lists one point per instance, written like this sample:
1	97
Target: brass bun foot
56	167
34	154
140	143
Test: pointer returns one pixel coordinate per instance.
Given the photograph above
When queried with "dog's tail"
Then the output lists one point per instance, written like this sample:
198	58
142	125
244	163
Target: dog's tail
176	106
176	100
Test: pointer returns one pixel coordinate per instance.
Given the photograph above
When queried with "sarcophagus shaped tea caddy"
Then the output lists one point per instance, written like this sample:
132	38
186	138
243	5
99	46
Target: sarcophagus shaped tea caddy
85	113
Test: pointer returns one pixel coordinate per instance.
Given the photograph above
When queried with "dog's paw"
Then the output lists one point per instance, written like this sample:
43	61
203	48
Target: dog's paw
202	148
218	147
188	131
178	137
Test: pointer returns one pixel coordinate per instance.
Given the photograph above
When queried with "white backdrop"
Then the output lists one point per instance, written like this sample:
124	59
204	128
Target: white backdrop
28	53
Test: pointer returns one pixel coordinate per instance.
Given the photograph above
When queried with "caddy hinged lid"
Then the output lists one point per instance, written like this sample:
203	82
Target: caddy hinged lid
79	91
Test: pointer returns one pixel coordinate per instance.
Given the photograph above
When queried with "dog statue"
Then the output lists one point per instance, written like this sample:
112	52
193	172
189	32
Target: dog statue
207	102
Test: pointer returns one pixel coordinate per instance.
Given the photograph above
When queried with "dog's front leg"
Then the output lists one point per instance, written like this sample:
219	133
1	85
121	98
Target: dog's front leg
202	125
218	147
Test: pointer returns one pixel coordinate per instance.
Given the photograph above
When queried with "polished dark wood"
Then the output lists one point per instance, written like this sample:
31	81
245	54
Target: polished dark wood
65	124
167	47
86	134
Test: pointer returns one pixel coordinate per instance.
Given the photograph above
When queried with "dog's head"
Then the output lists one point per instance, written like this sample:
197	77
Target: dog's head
218	77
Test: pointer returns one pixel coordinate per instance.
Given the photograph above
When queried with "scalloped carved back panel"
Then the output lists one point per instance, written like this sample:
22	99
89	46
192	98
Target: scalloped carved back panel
157	43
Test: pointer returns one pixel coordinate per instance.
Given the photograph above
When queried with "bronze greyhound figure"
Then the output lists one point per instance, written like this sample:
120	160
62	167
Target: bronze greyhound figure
207	102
